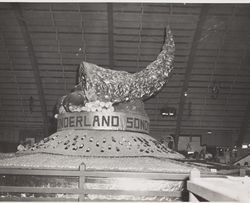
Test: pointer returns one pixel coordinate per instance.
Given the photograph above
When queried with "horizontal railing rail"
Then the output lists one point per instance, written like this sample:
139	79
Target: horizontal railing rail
82	174
40	172
33	199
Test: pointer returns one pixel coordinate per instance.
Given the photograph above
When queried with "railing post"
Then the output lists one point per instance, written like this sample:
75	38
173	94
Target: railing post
82	169
242	172
195	173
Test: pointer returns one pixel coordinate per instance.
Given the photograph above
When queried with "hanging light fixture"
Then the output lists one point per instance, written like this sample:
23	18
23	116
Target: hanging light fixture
215	90
209	132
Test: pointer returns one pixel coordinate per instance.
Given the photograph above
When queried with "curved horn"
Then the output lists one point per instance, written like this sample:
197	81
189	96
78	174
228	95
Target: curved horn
117	86
151	79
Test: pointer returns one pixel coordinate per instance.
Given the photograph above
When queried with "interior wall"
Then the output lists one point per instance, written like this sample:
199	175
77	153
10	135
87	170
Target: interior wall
9	135
247	137
222	140
10	138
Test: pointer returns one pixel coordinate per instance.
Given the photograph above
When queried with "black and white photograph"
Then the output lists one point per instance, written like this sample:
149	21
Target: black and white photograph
130	101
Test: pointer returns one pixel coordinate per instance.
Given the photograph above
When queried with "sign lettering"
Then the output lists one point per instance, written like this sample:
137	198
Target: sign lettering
103	121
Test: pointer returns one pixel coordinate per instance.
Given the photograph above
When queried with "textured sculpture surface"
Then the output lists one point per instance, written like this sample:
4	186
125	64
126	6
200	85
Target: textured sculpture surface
105	116
106	85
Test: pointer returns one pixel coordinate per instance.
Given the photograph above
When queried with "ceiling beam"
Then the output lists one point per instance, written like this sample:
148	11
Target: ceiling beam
110	34
246	118
196	38
27	39
244	125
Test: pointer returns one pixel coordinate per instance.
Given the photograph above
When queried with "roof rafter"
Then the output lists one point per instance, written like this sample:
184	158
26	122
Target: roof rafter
27	39
246	118
197	36
244	125
110	34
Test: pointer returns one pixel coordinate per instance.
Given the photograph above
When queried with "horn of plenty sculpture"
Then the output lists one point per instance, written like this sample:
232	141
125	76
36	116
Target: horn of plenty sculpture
106	85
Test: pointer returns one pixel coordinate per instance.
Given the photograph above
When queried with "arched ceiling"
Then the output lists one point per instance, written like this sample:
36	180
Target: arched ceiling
41	46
